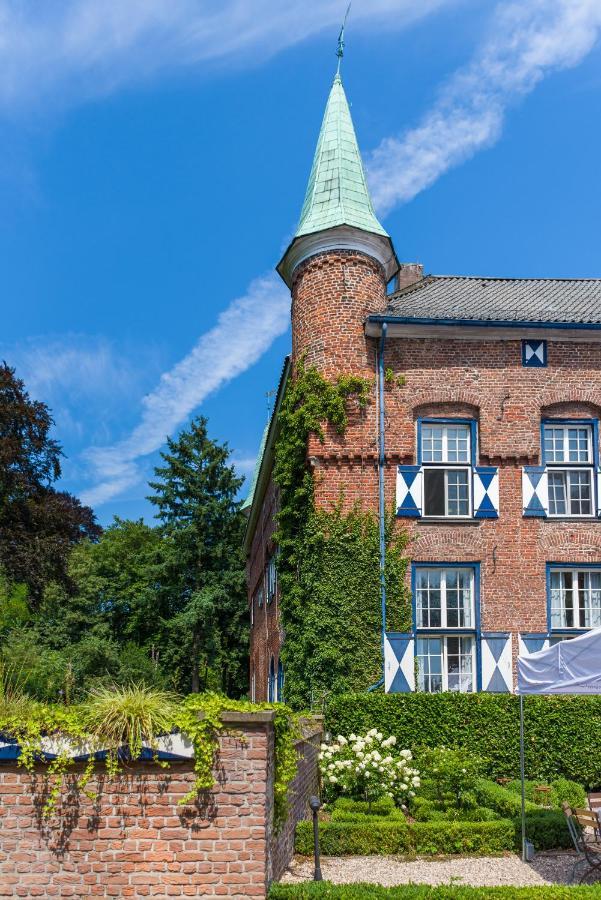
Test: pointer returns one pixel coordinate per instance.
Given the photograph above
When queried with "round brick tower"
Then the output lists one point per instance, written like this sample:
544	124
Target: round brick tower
341	258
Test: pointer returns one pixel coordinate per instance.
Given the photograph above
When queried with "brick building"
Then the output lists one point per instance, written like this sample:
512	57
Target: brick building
490	450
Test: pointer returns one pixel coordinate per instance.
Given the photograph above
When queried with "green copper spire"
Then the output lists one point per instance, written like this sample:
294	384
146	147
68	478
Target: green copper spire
337	192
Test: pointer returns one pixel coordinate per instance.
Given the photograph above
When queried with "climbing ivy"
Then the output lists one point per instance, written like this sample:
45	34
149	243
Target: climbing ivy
198	716
329	560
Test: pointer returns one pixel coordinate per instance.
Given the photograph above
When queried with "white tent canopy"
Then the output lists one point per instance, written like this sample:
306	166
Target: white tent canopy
568	667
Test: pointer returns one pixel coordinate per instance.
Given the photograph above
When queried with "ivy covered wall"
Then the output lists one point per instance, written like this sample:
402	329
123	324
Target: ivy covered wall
329	560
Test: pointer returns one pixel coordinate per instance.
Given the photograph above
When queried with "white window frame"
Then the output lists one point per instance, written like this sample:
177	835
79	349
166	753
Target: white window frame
443	599
271	579
575	572
568	470
567	462
445	426
446	466
445	656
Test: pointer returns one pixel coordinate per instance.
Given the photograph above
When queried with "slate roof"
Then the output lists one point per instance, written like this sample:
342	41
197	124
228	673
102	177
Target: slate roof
467	298
337	191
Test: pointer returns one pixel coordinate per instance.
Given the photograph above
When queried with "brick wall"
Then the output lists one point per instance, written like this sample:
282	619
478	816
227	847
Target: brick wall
134	840
265	635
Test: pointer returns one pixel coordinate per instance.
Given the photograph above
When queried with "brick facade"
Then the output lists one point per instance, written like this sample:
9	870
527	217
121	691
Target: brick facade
134	840
481	379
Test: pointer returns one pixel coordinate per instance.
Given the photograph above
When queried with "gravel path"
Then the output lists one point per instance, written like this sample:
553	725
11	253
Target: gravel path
546	868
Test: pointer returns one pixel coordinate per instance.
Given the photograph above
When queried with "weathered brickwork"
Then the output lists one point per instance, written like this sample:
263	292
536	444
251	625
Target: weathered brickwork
135	840
265	636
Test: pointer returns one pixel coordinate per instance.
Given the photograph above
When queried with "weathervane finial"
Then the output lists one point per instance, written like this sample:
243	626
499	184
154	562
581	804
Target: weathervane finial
340	48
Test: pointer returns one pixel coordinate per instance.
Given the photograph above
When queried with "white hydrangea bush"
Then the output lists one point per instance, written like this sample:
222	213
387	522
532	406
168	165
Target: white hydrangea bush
367	767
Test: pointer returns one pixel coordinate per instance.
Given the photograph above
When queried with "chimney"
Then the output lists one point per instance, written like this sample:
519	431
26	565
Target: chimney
408	274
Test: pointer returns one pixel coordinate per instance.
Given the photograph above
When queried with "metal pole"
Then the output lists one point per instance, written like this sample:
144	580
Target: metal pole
315	805
522	776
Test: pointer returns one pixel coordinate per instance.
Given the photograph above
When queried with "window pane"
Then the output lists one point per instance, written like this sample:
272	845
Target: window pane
428	596
459	598
557	494
429	665
589	599
579	483
458	443
562	600
434	501
458	498
432	443
460	664
553	439
578	444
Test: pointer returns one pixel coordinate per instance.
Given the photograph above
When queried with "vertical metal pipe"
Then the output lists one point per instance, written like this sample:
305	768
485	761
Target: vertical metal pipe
381	485
522	776
381	496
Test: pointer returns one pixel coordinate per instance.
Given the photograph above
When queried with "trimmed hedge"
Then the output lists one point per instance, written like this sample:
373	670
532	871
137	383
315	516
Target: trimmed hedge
312	890
563	733
391	837
546	828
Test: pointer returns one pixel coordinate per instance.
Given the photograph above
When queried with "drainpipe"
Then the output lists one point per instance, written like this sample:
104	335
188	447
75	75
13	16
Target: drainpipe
382	501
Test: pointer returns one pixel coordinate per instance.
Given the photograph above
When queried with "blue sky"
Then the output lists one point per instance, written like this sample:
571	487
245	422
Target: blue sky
153	161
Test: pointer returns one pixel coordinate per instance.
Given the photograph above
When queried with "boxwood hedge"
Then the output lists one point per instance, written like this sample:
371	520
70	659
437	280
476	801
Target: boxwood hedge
320	890
563	733
392	837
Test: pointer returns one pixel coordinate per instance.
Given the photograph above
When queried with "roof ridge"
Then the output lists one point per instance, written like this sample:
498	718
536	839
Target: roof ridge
508	278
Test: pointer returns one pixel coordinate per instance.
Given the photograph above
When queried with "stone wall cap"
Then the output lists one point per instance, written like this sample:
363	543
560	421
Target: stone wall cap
260	717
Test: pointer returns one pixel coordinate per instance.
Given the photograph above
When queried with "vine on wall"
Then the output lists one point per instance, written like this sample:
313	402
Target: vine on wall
198	716
329	561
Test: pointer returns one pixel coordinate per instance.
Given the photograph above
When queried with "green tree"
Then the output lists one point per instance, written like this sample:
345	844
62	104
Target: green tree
195	495
38	525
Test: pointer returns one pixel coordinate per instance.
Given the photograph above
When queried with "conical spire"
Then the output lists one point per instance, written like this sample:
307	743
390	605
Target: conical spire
337	192
337	203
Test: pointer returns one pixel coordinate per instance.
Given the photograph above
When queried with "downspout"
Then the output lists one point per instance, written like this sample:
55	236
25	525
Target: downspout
382	501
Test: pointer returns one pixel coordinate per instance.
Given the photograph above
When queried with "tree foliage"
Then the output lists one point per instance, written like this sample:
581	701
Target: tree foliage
38	524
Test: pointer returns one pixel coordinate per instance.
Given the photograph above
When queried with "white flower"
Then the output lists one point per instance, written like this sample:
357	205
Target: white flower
411	794
406	754
341	740
333	779
323	747
404	786
367	774
352	737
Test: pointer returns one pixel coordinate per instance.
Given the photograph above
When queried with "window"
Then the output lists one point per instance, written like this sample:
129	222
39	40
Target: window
444	602
445	664
271	578
569	456
271	683
575	600
259	597
446	456
444	598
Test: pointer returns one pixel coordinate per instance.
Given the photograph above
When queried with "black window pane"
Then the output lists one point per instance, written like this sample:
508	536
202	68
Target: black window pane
434	501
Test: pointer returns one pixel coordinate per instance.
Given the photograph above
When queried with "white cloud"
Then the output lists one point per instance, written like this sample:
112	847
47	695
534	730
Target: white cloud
75	372
243	332
528	39
79	48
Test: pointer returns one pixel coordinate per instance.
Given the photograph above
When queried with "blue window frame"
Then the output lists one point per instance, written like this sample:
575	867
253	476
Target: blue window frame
446	625
573	597
271	682
280	681
447	452
570	453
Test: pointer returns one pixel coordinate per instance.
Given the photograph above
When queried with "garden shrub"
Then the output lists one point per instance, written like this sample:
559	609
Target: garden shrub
563	733
384	807
389	837
546	828
368	768
322	889
452	774
561	790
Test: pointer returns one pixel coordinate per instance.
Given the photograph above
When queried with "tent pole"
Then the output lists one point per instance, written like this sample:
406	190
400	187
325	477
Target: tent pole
522	777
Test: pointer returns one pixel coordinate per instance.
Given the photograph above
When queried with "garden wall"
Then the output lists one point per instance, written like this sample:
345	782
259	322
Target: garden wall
133	839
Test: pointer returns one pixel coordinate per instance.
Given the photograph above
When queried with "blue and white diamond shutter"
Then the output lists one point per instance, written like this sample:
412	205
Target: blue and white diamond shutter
399	663
486	492
497	676
532	643
535	491
409	481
